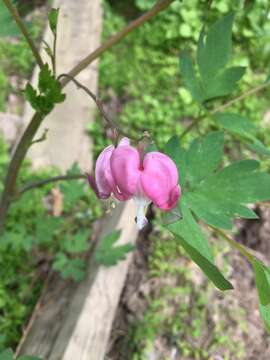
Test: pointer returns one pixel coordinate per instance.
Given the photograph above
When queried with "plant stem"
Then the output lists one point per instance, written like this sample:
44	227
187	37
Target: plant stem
241	97
15	165
99	104
225	106
43	182
54	53
235	244
16	16
158	7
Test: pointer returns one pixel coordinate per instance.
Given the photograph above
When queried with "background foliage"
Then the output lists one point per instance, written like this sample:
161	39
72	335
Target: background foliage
137	77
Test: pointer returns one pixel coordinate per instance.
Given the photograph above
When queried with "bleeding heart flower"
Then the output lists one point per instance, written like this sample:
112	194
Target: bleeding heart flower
123	172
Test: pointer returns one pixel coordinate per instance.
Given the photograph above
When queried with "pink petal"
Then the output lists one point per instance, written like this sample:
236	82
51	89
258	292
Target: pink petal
103	173
159	180
125	163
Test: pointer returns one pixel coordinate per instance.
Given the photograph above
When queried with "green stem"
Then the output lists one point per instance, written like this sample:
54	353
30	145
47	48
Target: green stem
225	106
110	122
16	16
235	244
15	165
54	53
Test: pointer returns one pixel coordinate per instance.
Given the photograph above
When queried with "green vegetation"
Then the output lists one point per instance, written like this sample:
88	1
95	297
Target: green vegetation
140	76
16	58
35	239
140	80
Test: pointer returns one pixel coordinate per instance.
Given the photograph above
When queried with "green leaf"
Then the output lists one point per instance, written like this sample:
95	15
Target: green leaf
204	156
107	254
76	243
240	125
178	155
69	268
46	227
258	147
223	84
50	92
17	238
262	278
235	123
196	245
214	47
189	77
6	355
265	314
73	191
53	18
31	96
222	196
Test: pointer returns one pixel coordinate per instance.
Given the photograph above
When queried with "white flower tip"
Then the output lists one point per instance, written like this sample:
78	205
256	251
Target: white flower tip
142	204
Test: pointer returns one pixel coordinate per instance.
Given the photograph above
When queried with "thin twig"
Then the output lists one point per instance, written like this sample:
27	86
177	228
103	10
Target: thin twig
43	182
42	138
241	97
16	16
99	104
158	7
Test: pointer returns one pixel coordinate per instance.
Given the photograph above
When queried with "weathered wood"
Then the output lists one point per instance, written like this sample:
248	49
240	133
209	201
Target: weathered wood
78	327
78	33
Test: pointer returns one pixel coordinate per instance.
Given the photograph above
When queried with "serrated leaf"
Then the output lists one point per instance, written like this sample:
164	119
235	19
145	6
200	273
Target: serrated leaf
178	155
69	268
6	354
76	243
107	254
53	18
50	92
73	191
196	245
190	79
223	84
204	156
46	228
223	195
214	47
262	278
